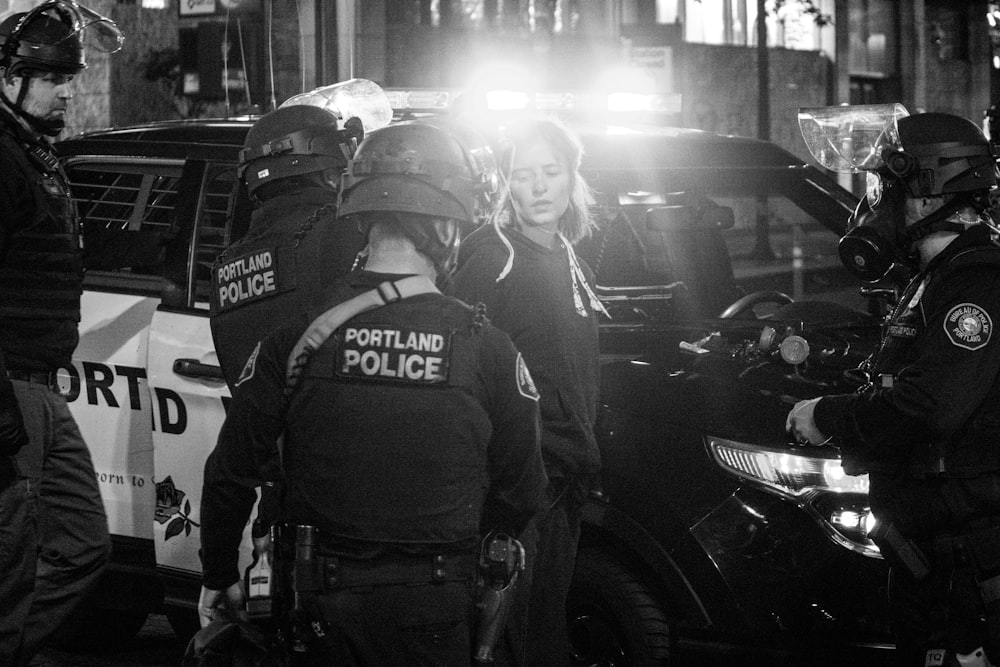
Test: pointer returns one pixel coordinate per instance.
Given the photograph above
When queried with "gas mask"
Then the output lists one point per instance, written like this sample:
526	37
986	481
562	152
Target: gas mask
876	237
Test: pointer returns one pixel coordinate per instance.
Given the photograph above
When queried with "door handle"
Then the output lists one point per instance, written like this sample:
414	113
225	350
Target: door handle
196	369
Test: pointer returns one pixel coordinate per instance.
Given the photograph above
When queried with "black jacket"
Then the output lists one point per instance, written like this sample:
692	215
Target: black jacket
930	422
413	429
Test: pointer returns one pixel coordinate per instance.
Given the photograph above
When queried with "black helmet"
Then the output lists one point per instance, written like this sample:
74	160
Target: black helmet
294	140
51	37
428	168
941	154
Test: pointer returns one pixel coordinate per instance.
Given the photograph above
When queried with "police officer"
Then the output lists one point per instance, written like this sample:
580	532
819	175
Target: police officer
291	164
53	531
410	427
927	426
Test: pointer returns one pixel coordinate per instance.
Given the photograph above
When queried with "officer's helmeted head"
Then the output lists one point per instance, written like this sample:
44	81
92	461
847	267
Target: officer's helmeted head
40	53
937	157
433	180
295	141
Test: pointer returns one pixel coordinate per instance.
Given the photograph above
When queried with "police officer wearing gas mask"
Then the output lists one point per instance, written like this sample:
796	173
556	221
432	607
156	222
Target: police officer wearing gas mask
926	427
53	531
409	427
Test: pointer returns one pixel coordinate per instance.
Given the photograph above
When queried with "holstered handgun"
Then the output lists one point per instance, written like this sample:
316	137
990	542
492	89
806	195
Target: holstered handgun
501	560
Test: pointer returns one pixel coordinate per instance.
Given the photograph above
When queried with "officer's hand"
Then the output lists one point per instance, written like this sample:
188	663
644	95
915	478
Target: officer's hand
802	426
228	604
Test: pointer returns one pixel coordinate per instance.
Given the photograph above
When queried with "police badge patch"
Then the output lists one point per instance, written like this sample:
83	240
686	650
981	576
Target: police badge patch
968	326
525	384
249	367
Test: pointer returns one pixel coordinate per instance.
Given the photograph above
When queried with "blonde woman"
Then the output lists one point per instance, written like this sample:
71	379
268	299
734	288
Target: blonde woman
523	268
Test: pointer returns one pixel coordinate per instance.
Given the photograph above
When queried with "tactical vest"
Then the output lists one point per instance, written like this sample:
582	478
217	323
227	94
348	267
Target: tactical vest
41	271
974	449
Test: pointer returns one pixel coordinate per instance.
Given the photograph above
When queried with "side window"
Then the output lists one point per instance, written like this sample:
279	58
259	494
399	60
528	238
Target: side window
124	206
222	219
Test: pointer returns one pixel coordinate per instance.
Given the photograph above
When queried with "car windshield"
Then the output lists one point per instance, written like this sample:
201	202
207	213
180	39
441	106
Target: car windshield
720	232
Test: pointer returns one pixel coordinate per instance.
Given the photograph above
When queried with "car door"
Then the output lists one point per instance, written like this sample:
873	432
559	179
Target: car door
125	202
185	378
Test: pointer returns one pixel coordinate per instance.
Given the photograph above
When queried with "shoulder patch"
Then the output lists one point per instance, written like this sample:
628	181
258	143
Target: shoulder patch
968	326
525	384
249	278
250	367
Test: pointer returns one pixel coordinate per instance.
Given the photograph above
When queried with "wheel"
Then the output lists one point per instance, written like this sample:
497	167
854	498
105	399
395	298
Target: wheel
183	621
748	302
93	630
613	619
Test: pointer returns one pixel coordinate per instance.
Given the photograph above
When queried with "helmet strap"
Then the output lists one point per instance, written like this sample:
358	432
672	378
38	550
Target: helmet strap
937	221
48	128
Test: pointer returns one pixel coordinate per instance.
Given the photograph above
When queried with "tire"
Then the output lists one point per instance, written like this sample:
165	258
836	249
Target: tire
92	630
613	619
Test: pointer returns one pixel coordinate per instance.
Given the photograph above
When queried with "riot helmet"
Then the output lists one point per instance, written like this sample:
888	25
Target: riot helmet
434	173
296	140
51	38
904	156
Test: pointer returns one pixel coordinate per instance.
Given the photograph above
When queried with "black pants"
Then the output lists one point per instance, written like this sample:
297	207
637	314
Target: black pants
428	624
536	633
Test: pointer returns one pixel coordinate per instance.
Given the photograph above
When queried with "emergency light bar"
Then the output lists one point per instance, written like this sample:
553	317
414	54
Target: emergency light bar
431	100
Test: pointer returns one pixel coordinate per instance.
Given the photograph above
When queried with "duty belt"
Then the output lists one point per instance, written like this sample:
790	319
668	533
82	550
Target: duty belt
47	378
337	572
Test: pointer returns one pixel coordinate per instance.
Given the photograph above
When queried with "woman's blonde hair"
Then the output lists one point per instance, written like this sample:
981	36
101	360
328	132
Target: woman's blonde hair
576	223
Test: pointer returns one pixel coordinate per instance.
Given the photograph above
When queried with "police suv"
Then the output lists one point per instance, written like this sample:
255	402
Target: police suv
716	257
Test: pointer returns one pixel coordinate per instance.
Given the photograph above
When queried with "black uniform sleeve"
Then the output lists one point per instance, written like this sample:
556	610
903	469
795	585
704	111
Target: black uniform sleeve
953	370
518	480
12	434
247	446
475	280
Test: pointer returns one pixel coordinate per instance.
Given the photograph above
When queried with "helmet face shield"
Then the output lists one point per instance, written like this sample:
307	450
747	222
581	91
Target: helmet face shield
851	139
52	37
354	98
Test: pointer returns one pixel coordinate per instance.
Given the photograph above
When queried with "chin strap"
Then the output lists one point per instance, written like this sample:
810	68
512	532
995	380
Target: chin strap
48	128
937	221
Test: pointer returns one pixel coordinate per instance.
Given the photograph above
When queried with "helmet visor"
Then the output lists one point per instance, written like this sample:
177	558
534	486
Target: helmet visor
851	139
356	98
92	29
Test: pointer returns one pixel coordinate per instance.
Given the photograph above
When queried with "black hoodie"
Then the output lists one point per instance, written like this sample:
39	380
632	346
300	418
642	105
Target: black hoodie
535	305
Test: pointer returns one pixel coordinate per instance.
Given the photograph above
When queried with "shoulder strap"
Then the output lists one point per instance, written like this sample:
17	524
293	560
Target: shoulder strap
323	326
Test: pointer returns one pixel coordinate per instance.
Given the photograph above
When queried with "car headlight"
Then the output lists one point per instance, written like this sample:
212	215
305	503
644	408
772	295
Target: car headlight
788	473
814	479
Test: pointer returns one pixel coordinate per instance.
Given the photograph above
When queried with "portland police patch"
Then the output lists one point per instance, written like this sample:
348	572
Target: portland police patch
249	367
525	384
968	326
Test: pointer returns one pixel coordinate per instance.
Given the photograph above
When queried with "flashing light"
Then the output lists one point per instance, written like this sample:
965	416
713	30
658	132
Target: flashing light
506	100
430	100
789	474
